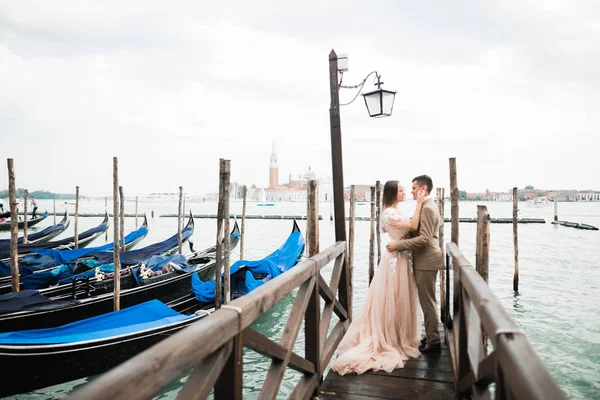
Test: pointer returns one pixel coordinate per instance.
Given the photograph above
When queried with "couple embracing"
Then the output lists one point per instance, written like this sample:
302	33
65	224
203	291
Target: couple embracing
387	331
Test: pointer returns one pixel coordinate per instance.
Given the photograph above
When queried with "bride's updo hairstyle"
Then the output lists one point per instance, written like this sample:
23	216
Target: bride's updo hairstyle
390	194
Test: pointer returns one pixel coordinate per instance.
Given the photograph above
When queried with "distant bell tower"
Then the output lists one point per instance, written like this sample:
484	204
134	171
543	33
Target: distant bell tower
273	168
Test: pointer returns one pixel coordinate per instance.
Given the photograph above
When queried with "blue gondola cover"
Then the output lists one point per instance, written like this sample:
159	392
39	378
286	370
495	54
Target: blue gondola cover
272	266
148	315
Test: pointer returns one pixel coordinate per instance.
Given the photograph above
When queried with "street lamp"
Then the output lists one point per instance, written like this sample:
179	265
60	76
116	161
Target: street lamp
379	103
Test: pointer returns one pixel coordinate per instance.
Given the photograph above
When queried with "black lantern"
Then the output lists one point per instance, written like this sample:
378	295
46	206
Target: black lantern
379	102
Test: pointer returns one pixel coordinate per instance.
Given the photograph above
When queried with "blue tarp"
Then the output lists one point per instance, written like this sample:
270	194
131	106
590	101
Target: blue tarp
5	243
29	247
243	271
66	256
152	314
133	257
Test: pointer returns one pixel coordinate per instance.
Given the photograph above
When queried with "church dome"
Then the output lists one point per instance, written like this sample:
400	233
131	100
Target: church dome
309	174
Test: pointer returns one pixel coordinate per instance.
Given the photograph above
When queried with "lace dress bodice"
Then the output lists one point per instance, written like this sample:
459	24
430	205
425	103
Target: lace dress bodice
394	223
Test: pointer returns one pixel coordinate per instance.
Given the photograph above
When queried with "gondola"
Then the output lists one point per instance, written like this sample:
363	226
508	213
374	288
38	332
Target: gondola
89	347
43	260
42	236
84	239
65	309
247	275
5	226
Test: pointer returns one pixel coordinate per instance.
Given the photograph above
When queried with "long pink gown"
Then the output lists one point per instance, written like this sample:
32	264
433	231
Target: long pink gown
386	332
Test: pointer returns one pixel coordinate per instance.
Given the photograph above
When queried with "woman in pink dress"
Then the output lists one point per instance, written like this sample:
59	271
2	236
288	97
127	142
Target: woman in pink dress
386	332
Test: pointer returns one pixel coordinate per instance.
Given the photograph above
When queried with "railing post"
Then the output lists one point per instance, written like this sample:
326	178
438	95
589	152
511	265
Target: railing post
312	317
440	204
460	330
482	254
229	385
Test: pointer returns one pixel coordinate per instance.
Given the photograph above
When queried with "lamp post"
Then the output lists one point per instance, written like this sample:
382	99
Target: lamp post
379	104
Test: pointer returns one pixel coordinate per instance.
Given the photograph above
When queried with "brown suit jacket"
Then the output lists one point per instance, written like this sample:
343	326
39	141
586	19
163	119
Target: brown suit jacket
425	245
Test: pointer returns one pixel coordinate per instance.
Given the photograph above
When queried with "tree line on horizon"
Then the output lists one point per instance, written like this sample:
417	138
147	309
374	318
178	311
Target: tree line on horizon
40	194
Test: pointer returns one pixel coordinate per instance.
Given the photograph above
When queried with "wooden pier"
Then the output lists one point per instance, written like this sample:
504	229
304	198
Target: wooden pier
430	376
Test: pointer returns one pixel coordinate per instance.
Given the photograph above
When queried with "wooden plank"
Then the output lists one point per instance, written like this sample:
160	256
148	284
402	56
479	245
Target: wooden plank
146	374
265	346
332	342
419	373
386	387
288	338
328	296
306	387
203	377
333	286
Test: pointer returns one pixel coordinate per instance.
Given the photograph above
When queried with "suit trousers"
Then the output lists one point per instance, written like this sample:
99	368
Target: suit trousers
426	289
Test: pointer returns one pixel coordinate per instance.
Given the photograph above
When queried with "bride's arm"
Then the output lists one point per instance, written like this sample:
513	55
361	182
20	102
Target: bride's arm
413	224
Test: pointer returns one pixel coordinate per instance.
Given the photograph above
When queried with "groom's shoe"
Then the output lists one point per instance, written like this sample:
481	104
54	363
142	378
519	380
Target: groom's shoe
430	348
423	341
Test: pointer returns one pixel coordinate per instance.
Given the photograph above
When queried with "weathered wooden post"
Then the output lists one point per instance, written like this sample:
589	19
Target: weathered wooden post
312	224
440	204
26	218
377	219
337	169
226	235
14	227
454	202
516	238
312	316
179	221
556	207
482	251
351	249
121	219
116	247
372	238
243	223
77	216
136	212
54	207
219	244
106	209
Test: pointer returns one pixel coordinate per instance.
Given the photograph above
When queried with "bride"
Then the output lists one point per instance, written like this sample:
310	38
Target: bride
386	332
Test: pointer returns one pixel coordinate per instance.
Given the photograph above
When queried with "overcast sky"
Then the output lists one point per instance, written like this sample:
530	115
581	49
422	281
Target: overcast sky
510	88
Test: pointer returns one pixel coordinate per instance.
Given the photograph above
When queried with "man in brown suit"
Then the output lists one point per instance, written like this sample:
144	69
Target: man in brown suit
427	261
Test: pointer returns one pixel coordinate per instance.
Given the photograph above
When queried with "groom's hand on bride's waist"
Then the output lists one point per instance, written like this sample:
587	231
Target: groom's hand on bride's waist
391	246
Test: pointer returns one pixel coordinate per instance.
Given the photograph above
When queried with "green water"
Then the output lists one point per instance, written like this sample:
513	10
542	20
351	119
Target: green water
558	304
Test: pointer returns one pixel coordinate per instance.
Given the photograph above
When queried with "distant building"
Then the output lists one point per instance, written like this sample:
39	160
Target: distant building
588	195
295	189
500	196
363	192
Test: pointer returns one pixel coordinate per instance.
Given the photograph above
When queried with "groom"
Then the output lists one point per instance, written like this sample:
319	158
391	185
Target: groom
427	261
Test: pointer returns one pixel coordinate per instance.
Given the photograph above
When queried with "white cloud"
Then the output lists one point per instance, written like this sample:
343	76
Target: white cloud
508	88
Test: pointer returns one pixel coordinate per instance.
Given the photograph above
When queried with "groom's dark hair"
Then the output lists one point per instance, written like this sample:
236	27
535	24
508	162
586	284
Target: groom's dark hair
424	180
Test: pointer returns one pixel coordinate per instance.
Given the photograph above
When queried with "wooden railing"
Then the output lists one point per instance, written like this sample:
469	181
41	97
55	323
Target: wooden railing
212	347
513	365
